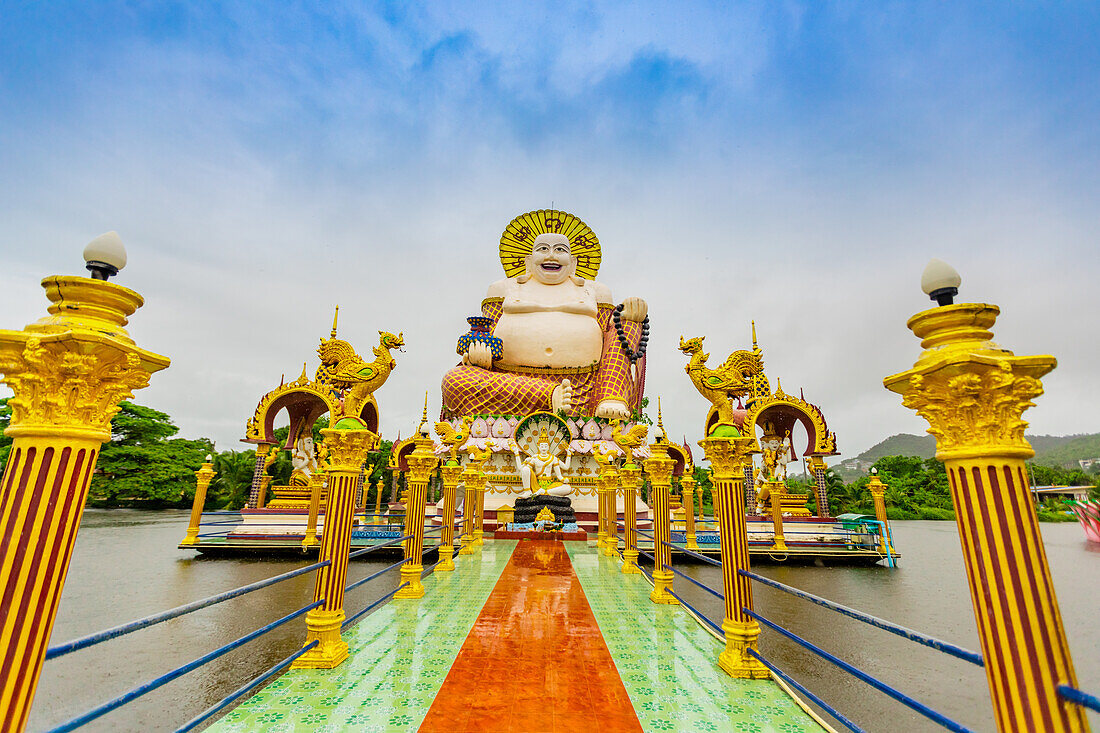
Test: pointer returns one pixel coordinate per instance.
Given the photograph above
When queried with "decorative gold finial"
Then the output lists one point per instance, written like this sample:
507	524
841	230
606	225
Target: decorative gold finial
660	421
335	316
755	348
423	429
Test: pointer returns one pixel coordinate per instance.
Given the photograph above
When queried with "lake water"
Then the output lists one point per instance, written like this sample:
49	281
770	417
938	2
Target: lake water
126	565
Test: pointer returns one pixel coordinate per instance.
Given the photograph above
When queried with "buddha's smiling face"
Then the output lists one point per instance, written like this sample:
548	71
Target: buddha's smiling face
544	449
550	261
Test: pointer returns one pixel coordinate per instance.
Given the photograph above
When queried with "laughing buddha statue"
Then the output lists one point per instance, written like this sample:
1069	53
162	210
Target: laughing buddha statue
550	337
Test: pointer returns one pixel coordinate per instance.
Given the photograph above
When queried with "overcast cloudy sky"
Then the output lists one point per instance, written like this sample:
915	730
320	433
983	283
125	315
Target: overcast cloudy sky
796	164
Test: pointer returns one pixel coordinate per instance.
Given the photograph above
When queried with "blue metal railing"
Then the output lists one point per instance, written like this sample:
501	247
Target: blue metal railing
142	623
812	697
858	673
178	672
1068	693
243	690
164	679
906	633
1077	697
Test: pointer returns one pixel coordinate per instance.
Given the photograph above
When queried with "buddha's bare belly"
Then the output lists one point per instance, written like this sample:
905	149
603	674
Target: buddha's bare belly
549	339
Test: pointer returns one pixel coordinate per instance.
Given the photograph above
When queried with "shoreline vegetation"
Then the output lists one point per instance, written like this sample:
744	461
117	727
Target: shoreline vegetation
145	466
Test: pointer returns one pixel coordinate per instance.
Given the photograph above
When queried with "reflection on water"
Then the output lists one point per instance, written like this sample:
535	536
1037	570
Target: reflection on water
126	565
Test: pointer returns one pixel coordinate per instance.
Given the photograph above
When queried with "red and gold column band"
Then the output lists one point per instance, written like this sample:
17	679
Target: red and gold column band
347	451
451	473
659	467
630	478
1019	623
44	490
727	457
422	461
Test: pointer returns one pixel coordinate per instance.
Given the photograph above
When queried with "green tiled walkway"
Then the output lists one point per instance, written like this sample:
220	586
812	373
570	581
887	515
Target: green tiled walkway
402	652
669	663
400	655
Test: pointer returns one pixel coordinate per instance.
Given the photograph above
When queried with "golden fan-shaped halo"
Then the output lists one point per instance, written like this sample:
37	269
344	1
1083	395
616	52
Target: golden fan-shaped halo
519	237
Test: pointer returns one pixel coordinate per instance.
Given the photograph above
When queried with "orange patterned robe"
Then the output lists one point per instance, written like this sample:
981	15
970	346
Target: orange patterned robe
471	390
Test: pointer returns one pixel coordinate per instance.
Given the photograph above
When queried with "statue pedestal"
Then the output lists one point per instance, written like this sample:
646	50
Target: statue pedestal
526	510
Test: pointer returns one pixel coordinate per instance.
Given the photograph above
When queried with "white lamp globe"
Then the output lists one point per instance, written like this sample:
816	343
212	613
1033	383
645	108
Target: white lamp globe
940	281
105	255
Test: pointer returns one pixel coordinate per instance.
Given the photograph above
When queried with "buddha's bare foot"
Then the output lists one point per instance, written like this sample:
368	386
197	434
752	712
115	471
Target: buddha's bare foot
612	409
562	397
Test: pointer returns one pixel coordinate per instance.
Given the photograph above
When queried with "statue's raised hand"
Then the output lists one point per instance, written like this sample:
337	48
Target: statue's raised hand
479	354
635	309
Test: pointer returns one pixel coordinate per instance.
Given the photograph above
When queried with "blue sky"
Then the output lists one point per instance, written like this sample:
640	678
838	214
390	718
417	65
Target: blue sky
793	163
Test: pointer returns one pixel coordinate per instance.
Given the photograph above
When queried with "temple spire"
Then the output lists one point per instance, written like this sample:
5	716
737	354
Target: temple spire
423	429
754	346
335	316
660	420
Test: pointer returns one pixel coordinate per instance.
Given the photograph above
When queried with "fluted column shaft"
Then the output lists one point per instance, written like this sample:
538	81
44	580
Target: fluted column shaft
727	457
659	467
202	483
630	477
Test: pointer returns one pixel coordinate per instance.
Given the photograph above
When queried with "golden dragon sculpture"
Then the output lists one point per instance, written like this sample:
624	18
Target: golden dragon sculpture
346	372
734	378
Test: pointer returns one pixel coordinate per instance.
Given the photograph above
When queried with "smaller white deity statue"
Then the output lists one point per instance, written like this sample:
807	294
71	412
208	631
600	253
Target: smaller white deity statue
303	461
543	472
783	457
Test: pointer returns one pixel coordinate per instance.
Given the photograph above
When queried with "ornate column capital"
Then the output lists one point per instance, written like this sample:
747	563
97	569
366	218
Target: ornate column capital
423	460
727	455
70	369
971	391
451	473
659	466
347	449
876	487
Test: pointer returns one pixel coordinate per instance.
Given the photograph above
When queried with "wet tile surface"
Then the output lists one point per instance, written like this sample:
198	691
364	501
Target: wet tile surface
535	660
400	655
669	663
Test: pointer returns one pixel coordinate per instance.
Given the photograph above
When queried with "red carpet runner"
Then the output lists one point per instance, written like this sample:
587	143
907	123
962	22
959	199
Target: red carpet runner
535	661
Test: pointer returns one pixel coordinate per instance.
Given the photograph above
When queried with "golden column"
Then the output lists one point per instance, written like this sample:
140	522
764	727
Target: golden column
347	450
607	484
202	483
659	467
727	456
469	482
316	483
779	542
451	471
475	481
973	393
422	461
687	485
68	372
630	477
878	495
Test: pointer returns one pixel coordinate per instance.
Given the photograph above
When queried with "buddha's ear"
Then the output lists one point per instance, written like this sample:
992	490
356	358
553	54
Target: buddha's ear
573	275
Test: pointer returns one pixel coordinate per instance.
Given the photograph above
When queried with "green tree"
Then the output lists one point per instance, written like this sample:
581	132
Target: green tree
143	463
232	480
5	441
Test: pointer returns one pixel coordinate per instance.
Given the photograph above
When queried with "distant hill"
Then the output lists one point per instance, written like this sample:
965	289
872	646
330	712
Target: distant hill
1050	450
